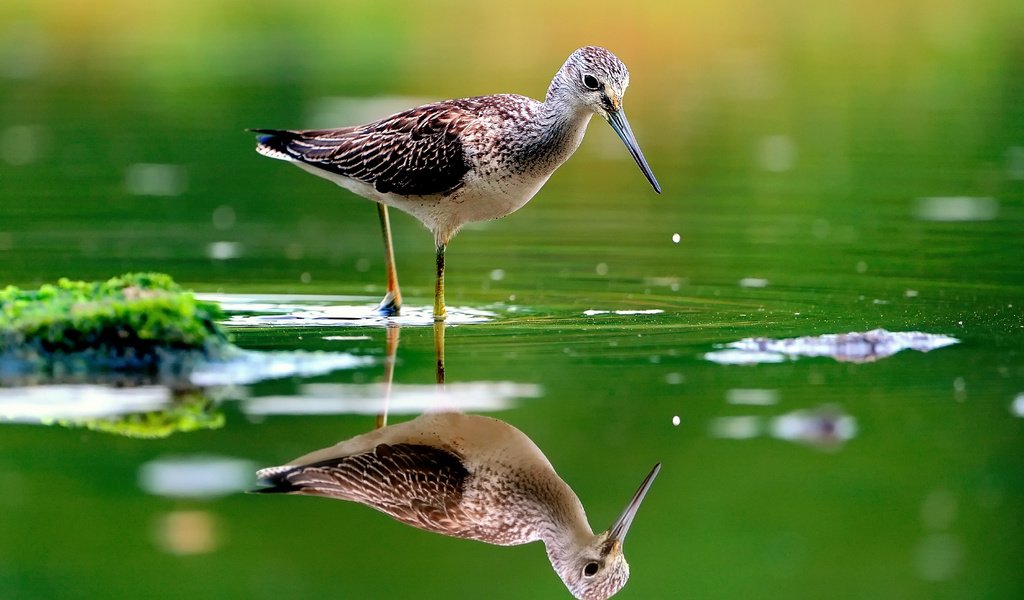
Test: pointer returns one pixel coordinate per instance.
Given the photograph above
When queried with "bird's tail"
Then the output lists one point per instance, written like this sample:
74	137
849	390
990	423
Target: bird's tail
274	143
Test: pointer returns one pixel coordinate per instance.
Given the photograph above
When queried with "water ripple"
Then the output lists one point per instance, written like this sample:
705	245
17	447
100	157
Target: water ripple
855	347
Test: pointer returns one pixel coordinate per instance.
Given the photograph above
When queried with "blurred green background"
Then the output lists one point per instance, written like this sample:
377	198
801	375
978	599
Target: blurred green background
828	167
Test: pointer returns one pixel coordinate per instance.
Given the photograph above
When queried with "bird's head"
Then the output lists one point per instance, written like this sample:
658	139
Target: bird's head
595	80
596	568
598	79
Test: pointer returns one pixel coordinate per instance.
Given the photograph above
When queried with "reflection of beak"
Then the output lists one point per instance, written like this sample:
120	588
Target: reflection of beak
617	532
617	119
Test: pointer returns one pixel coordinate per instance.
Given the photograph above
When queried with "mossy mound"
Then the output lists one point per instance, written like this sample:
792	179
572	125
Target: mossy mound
191	411
130	322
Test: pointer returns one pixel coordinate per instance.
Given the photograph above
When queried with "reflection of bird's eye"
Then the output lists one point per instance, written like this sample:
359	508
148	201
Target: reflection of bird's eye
591	569
591	82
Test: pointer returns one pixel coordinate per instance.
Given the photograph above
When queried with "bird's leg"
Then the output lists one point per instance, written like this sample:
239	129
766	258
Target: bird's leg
439	350
390	351
392	302
439	311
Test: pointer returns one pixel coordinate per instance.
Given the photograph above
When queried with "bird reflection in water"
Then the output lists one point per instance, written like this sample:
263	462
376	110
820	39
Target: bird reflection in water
471	477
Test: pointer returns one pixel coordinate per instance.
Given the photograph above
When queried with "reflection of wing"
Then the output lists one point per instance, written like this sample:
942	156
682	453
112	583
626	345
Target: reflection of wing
416	484
416	152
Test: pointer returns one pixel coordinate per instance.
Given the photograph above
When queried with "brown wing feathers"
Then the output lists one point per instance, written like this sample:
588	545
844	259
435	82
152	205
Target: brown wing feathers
416	484
417	152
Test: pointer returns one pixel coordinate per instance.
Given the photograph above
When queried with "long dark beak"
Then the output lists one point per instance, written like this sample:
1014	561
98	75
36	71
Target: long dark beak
617	119
617	532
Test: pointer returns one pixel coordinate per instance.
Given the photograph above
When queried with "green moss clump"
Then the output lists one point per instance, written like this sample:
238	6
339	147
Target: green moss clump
125	321
190	411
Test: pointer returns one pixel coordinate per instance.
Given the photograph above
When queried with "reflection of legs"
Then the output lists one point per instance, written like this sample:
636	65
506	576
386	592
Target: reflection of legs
439	310
391	349
439	350
392	302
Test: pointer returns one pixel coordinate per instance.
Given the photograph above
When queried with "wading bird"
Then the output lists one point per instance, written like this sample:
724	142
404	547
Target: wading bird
459	161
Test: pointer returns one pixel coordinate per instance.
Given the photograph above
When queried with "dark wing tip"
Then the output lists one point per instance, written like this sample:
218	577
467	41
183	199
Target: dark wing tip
265	136
275	143
275	481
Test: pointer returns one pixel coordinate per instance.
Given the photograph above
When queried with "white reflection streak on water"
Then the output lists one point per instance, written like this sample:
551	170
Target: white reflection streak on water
736	428
846	347
364	399
754	397
224	250
155	179
824	427
956	208
1017	408
359	316
197	476
648	311
753	282
251	367
38	404
744	357
313	310
274	303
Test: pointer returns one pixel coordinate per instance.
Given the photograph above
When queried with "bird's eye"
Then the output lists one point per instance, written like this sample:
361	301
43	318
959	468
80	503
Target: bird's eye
591	82
591	569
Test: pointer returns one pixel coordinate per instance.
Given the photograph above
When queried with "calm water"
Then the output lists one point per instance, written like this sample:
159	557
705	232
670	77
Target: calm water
824	173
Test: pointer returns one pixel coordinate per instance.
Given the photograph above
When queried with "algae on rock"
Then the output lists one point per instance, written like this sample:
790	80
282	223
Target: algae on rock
126	323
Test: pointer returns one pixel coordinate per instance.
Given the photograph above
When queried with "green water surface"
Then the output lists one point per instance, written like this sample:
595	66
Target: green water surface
825	171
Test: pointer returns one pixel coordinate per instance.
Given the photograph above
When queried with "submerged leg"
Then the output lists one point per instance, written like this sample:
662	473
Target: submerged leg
439	311
439	350
392	302
391	350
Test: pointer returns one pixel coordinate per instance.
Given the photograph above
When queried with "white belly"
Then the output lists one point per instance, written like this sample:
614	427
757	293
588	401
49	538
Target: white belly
477	200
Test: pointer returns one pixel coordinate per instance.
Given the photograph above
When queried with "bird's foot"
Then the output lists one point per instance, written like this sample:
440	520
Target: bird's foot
390	306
